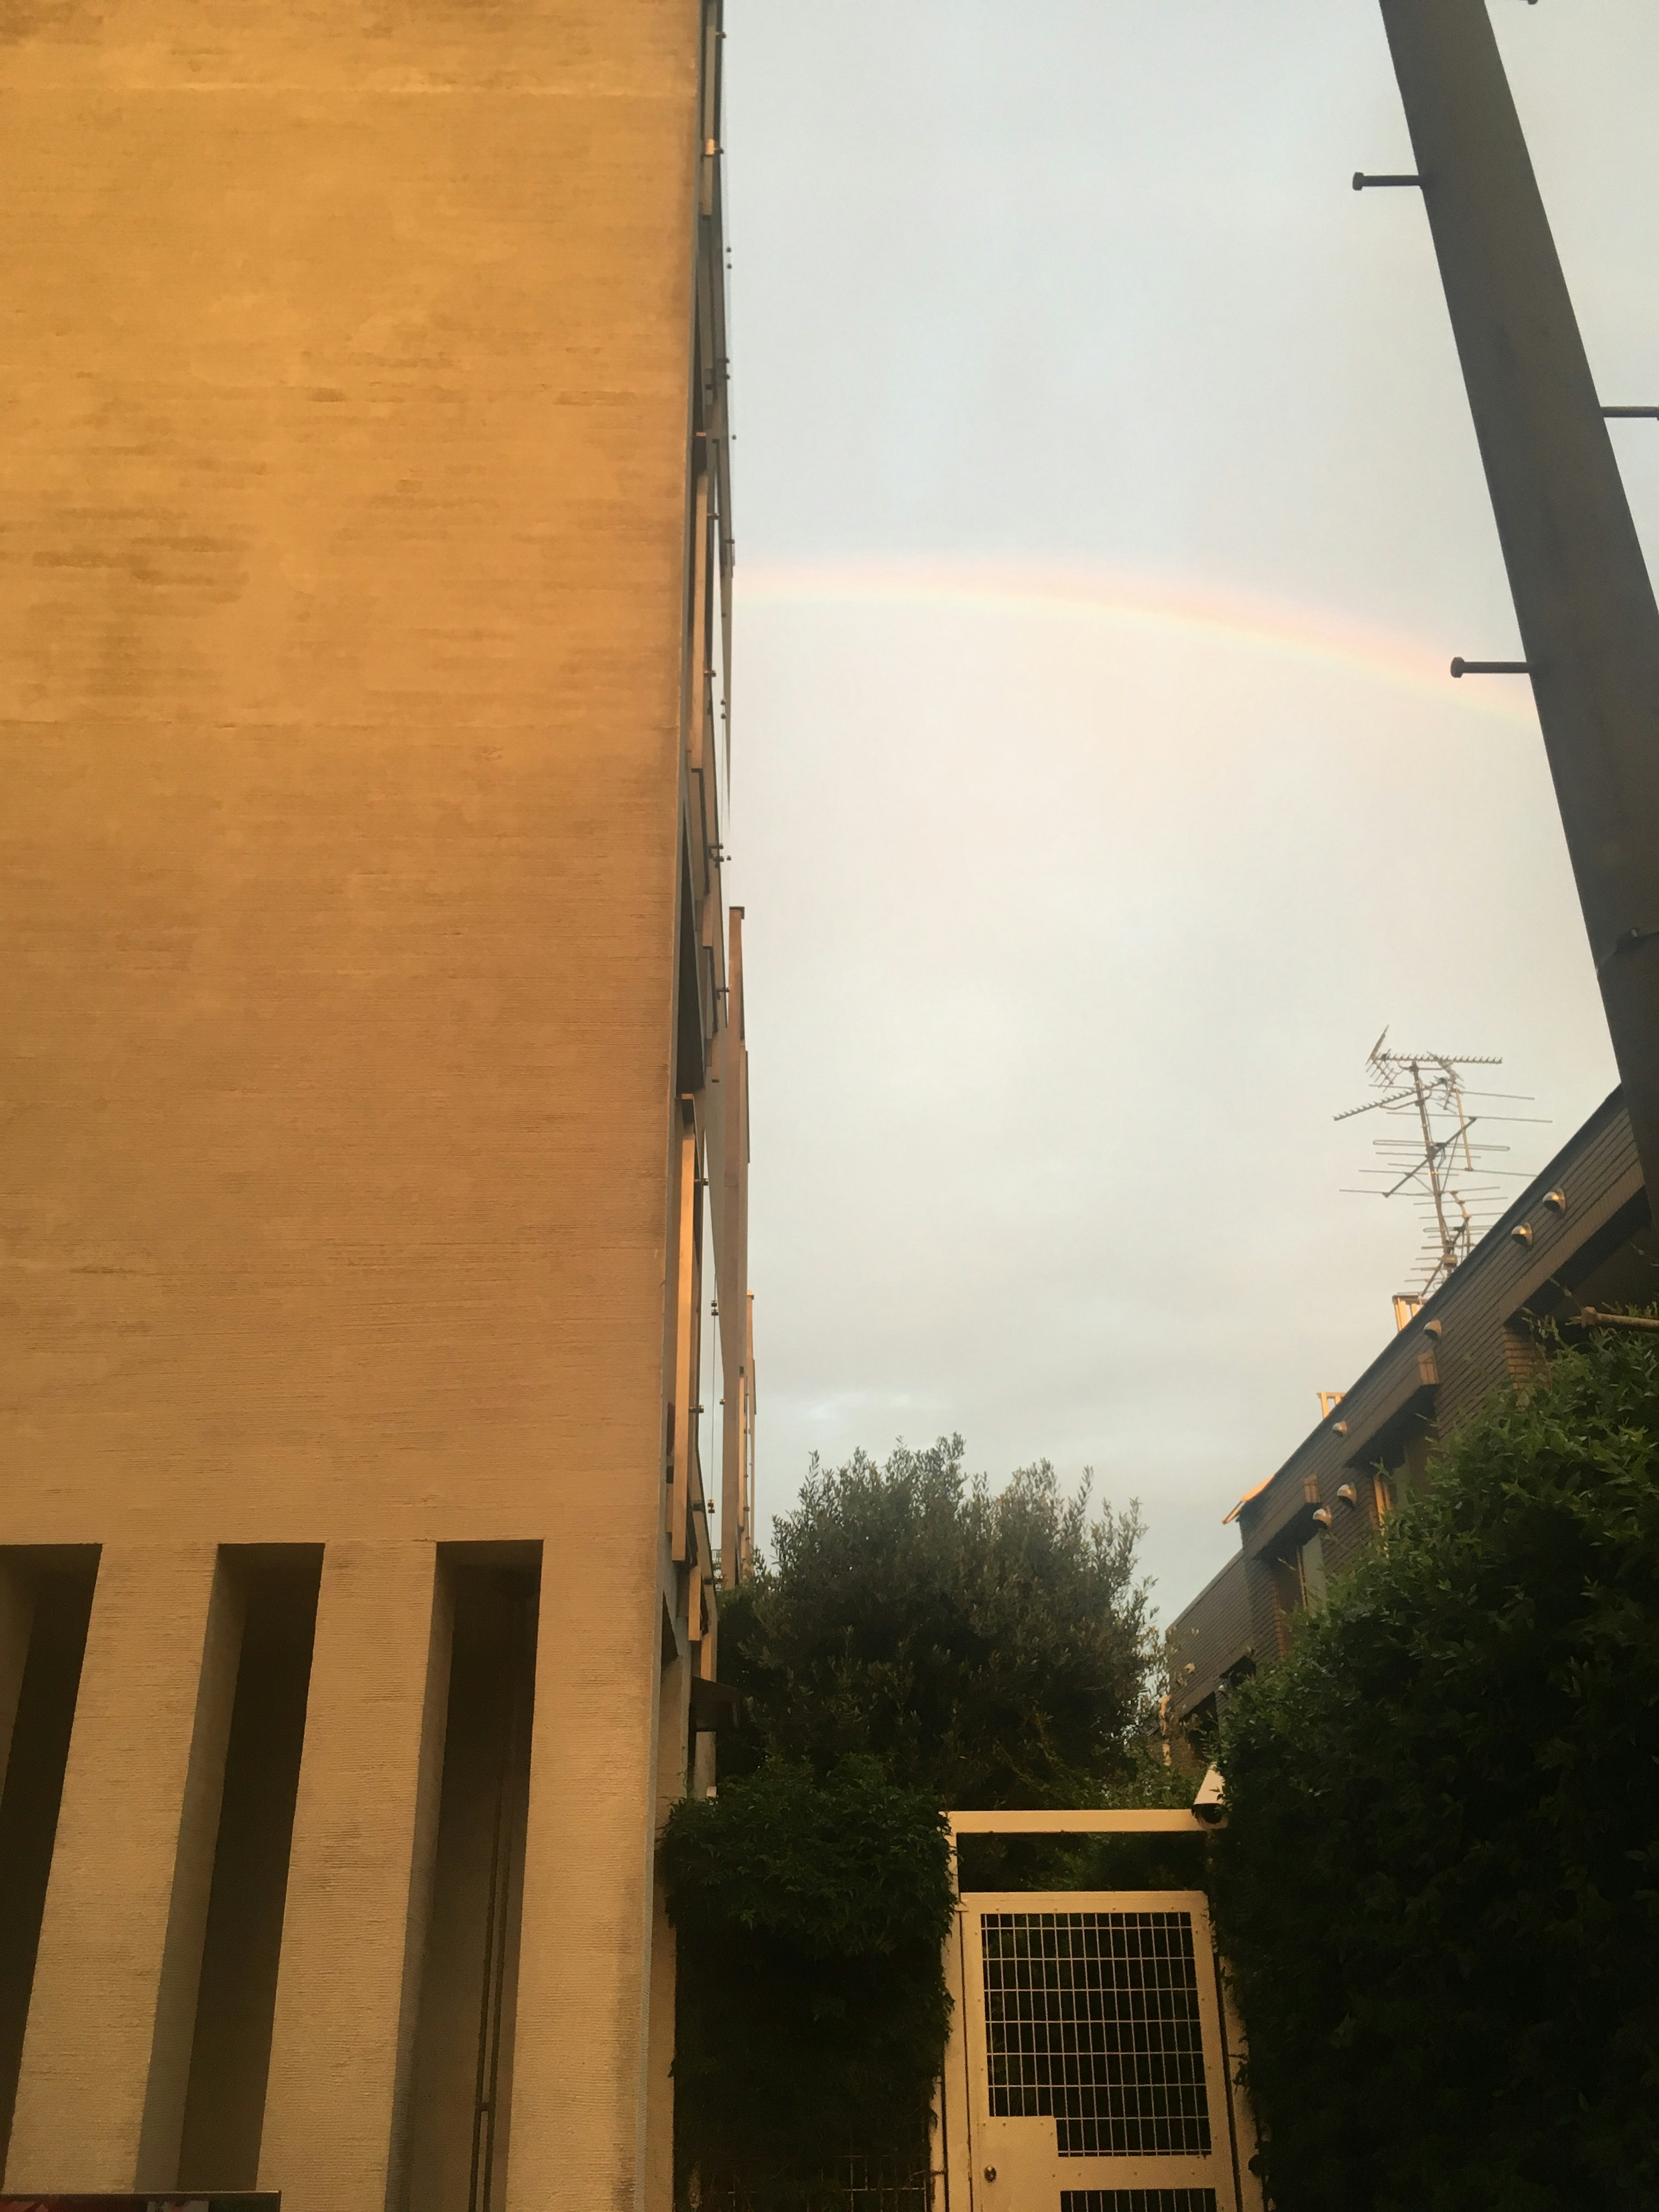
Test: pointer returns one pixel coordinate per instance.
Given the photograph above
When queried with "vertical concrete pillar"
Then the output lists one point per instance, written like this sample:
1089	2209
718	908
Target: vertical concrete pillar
734	1261
106	2051
579	2067
365	1830
16	1619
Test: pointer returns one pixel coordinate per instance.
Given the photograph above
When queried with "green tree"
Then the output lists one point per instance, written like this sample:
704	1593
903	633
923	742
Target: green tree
1439	1881
917	1643
987	1649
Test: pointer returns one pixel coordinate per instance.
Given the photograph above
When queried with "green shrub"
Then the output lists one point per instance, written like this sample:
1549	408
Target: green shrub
1439	1882
811	1916
989	1649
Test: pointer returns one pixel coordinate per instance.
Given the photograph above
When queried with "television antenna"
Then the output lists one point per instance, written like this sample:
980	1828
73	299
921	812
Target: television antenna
1441	1166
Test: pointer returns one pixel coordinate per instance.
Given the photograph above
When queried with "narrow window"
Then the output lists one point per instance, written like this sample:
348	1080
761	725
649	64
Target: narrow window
462	2072
1310	1572
51	1591
236	1997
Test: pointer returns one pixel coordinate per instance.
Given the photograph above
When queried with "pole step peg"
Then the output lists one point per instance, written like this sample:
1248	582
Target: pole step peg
1360	180
1627	413
1461	667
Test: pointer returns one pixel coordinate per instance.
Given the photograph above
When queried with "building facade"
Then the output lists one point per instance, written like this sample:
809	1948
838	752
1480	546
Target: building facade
375	1165
1580	1236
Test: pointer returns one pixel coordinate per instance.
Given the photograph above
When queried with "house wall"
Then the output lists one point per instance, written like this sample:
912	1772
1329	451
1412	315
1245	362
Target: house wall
1579	1234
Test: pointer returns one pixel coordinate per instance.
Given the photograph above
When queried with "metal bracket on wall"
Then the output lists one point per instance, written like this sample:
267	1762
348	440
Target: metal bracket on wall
1628	941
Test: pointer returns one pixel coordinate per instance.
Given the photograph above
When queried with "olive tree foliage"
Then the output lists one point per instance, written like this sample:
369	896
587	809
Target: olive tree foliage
1438	1886
988	1648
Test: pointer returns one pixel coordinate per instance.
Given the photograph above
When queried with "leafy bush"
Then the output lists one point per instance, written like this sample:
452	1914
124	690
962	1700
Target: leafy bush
810	1918
988	1649
1439	1881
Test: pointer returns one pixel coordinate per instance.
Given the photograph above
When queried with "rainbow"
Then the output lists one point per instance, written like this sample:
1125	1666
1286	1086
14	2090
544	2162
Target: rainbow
1099	597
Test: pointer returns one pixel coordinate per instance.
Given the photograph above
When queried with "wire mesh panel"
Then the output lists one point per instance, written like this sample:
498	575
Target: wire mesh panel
1092	2018
871	2185
1137	2200
878	2182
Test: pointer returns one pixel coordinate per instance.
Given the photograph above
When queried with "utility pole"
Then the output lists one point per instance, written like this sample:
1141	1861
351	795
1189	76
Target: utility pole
1583	596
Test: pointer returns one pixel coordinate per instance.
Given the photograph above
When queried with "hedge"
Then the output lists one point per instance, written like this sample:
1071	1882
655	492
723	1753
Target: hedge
811	1918
1438	1886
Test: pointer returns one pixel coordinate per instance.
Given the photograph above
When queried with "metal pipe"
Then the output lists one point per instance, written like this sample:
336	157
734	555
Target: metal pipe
1589	1318
1589	626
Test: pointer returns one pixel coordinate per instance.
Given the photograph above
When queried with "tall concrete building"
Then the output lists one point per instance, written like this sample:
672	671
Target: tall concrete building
375	1130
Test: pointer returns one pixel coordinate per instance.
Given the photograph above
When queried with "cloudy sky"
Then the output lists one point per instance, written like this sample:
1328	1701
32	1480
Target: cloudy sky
1109	514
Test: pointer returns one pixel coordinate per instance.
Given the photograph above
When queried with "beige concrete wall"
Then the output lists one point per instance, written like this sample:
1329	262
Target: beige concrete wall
345	377
343	380
580	2066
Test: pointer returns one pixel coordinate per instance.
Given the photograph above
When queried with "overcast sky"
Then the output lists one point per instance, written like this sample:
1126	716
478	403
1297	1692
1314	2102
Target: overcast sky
1107	514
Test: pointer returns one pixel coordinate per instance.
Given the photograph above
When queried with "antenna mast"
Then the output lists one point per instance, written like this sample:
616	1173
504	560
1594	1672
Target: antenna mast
1443	1167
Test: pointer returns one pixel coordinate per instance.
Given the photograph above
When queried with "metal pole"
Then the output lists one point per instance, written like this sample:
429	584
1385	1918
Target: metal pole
1582	592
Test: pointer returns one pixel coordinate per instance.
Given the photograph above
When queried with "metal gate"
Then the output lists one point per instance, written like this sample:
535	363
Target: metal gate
1092	2058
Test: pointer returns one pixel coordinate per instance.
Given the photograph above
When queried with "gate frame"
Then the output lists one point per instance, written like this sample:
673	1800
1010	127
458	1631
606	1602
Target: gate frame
952	2099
